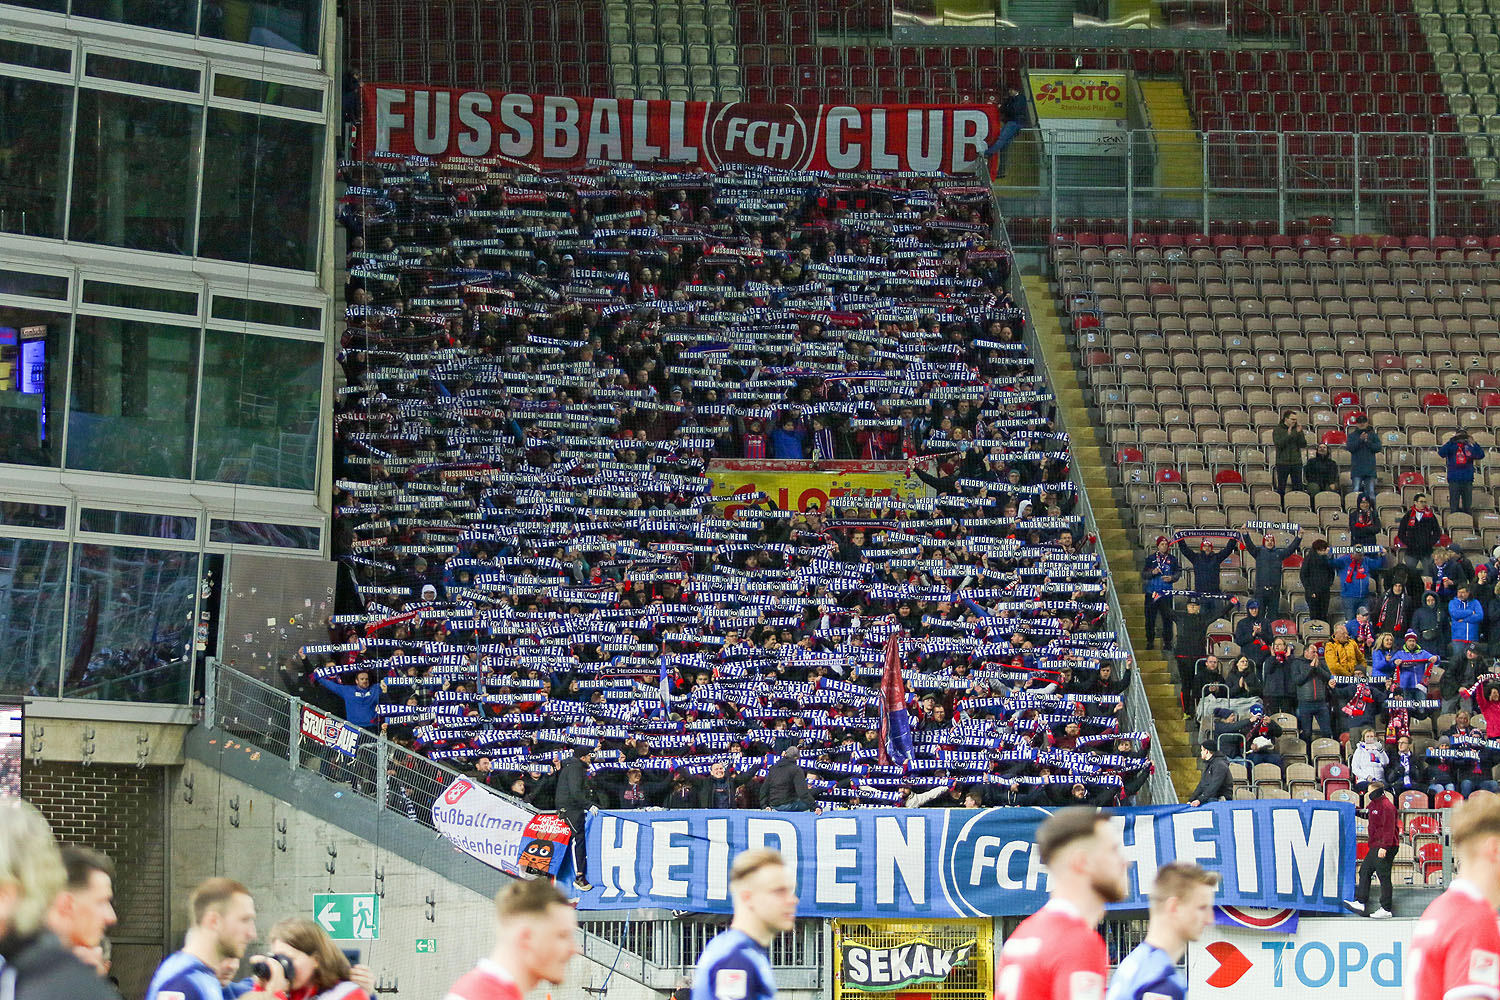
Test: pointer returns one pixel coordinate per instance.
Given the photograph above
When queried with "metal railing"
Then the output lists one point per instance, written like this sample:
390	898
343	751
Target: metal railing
382	771
1405	183
1159	790
657	952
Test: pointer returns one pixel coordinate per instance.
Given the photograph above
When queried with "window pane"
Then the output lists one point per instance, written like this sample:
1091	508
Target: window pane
283	95
39	56
132	398
32	578
260	190
18	514
133	172
267	313
107	293
36	286
259	422
145	73
33	375
276	24
56	6
170	15
35	121
283	536
129	624
132	522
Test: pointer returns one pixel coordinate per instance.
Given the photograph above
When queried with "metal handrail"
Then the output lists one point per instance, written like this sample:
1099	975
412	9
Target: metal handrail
1138	714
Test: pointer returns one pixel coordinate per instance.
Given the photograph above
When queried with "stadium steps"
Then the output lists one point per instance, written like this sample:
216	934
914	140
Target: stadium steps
1114	540
1181	160
1038	13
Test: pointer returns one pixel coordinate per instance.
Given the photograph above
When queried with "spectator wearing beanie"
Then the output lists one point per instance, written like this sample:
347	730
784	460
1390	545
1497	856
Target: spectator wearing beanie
1216	784
1364	523
1317	575
1418	531
1354	579
1206	562
1462	455
1159	573
1321	472
1268	568
1362	444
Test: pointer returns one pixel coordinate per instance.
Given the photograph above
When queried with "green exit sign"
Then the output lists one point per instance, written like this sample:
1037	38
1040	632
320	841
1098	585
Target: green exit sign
348	916
426	946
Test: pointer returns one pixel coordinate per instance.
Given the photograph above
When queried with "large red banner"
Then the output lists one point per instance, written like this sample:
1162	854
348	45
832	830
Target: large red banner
563	132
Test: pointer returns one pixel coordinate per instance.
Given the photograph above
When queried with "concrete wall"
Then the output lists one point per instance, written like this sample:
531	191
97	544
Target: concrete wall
285	870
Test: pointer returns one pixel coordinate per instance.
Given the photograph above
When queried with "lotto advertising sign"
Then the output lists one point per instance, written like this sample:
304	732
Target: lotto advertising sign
1078	95
1355	956
923	864
553	132
801	485
482	824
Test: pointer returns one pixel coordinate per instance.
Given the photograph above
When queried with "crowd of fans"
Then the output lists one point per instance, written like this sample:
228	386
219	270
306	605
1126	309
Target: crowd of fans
1400	627
541	371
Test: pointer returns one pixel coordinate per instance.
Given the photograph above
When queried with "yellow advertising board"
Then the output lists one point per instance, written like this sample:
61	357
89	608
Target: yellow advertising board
1059	94
805	485
940	959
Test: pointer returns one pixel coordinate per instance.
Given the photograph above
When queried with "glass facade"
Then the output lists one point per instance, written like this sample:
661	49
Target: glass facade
163	314
291	25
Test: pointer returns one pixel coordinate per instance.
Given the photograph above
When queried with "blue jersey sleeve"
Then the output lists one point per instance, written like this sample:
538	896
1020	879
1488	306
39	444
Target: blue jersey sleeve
1147	974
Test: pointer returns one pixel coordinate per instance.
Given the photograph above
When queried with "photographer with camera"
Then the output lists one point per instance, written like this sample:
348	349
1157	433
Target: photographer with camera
302	963
1462	455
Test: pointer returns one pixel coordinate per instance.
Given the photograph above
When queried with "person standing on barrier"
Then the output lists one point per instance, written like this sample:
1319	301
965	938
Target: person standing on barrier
1455	948
536	936
1057	952
736	964
1378	860
575	797
1182	908
1013	118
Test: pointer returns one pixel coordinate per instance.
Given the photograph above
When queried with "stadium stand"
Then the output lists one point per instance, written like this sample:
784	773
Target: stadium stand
554	424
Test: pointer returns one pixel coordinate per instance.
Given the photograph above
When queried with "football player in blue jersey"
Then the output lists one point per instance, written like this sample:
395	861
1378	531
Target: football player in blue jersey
735	965
223	914
1182	907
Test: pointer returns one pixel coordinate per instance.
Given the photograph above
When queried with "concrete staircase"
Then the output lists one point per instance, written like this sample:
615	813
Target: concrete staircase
1039	14
1115	541
1180	155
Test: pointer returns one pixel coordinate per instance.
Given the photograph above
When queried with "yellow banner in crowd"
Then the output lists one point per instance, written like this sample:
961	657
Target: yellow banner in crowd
940	959
1078	95
805	485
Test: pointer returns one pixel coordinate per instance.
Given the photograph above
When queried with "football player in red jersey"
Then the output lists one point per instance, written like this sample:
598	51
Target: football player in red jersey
536	936
1455	950
1057	953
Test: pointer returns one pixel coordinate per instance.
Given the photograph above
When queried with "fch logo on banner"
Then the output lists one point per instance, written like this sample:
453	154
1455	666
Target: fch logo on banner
1365	958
